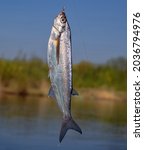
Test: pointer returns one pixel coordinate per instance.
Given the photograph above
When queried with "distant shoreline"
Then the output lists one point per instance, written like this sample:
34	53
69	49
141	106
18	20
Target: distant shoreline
84	93
30	77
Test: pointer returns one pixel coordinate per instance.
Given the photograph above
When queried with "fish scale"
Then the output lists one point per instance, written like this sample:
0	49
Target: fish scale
60	71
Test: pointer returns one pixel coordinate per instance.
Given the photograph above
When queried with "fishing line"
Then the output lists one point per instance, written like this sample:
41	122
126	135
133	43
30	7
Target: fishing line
79	49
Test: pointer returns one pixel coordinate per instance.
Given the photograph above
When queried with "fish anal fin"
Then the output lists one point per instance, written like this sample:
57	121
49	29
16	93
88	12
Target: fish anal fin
51	93
66	125
74	92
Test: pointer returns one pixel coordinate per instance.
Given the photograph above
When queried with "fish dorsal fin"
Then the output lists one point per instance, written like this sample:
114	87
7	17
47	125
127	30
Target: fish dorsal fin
57	45
74	92
51	93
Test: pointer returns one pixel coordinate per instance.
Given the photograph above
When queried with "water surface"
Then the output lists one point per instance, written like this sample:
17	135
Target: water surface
33	123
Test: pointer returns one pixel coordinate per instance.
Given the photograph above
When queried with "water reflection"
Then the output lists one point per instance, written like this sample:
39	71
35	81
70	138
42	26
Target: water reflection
34	123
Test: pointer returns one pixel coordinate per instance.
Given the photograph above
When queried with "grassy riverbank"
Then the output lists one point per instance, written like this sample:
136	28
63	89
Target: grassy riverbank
24	77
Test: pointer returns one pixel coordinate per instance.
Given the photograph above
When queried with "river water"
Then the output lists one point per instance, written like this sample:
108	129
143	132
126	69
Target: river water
31	123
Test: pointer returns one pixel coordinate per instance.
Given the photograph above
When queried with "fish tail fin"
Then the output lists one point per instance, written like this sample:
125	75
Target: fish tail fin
68	124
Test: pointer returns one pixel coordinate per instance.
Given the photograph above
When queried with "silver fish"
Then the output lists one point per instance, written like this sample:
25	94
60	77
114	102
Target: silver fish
60	71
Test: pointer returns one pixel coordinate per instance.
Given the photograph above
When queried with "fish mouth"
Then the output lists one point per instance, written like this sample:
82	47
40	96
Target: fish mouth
63	18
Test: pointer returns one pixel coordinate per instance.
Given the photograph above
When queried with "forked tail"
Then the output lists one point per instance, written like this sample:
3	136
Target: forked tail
68	123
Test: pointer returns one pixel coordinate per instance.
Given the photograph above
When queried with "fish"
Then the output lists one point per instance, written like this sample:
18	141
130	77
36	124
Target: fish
59	56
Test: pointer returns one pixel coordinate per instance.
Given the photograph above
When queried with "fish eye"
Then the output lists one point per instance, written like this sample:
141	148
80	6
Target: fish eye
63	19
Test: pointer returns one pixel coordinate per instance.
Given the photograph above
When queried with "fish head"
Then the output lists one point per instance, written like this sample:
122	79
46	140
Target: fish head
60	21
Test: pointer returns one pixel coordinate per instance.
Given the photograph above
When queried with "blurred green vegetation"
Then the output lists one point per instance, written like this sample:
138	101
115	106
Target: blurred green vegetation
111	75
23	73
31	72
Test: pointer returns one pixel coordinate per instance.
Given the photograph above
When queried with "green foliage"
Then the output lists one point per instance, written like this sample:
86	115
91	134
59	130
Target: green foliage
22	73
106	76
31	72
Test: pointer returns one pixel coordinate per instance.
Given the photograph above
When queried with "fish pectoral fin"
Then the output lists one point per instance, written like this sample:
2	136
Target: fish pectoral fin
74	92
51	93
57	45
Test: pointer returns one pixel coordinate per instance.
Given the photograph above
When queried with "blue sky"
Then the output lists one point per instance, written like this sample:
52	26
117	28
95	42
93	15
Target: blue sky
98	27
